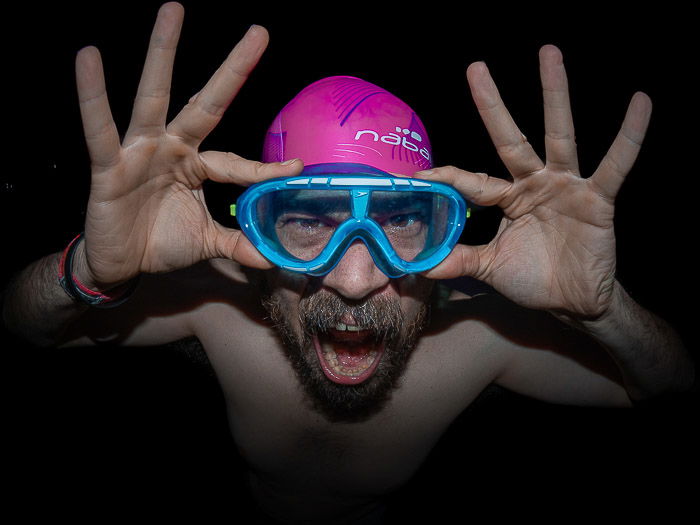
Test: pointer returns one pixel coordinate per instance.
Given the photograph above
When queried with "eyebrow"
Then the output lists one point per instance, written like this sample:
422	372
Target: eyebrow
390	201
313	202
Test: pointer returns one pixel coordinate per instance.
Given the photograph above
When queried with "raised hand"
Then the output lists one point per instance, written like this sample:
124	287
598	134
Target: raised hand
146	211
555	248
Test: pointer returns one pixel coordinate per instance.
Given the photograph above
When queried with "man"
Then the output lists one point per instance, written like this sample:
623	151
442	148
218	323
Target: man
327	452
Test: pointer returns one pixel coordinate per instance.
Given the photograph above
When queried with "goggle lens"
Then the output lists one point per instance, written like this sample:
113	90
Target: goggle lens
302	222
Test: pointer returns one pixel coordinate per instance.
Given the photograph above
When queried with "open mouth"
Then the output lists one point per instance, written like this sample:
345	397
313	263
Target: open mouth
348	353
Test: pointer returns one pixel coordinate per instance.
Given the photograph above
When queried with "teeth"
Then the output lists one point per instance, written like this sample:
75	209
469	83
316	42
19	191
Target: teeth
356	370
342	327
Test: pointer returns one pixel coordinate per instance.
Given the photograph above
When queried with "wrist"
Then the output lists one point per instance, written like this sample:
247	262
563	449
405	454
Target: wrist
81	270
613	316
75	279
605	319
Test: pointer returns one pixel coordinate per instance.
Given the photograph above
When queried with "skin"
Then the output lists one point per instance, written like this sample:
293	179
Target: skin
553	254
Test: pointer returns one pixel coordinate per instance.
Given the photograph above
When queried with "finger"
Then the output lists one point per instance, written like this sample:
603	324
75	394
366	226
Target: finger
231	168
233	244
462	261
203	113
153	96
478	188
512	146
101	133
560	141
623	152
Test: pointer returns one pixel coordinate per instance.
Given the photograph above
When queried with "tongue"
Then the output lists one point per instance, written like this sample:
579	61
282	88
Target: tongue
348	361
351	356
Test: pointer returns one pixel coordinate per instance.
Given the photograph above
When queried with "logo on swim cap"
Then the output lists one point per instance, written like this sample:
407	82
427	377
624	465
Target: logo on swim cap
348	120
397	140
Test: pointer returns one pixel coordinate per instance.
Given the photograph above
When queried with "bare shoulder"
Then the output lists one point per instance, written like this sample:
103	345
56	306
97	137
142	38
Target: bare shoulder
507	323
532	352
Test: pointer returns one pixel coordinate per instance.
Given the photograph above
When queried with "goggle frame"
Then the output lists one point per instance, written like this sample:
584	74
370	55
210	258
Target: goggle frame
359	226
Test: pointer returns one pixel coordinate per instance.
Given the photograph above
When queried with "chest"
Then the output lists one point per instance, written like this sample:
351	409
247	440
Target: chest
284	439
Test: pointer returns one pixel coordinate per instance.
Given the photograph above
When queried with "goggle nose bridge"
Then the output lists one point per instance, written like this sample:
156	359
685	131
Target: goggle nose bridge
367	231
360	202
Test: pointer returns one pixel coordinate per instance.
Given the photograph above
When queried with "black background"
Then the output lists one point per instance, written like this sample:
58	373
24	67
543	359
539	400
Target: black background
104	431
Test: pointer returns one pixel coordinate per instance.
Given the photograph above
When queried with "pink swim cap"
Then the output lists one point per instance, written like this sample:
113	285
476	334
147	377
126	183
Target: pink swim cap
348	120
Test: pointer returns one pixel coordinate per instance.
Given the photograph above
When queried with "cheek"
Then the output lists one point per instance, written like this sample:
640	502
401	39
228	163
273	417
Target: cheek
415	292
288	289
287	285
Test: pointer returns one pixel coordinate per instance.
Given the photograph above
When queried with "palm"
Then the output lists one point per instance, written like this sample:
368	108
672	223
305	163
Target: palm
556	251
555	248
134	215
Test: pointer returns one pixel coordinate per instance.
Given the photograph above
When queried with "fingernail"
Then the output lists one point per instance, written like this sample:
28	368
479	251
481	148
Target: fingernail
288	162
425	173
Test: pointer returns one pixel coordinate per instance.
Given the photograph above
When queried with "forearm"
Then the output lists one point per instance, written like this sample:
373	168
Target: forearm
649	352
35	307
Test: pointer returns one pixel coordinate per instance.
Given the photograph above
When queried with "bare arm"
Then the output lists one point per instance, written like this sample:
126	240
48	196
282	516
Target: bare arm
610	362
650	354
35	306
37	309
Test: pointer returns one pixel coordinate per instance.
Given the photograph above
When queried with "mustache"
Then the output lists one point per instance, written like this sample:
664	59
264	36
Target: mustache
323	310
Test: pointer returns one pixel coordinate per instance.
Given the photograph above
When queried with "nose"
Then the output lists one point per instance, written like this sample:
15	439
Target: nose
356	275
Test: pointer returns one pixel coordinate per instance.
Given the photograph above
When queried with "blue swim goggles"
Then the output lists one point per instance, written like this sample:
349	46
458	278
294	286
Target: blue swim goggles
306	223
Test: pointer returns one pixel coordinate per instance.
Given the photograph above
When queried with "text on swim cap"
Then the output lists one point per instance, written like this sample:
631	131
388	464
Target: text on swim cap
397	140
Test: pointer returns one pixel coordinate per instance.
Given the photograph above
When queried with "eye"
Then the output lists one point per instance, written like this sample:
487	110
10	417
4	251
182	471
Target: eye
301	223
403	220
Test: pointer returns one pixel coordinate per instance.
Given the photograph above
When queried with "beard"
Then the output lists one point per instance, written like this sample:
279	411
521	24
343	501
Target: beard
319	313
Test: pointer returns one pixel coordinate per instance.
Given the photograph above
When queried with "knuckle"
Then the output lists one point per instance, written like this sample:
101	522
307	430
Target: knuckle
252	170
613	165
510	148
483	180
449	172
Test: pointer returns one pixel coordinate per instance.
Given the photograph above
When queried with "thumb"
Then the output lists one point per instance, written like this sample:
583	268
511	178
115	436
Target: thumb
233	244
462	261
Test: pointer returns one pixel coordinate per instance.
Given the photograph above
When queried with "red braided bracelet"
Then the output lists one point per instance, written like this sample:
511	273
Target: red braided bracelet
81	293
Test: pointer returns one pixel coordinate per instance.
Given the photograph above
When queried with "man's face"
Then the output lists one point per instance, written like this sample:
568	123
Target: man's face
348	339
